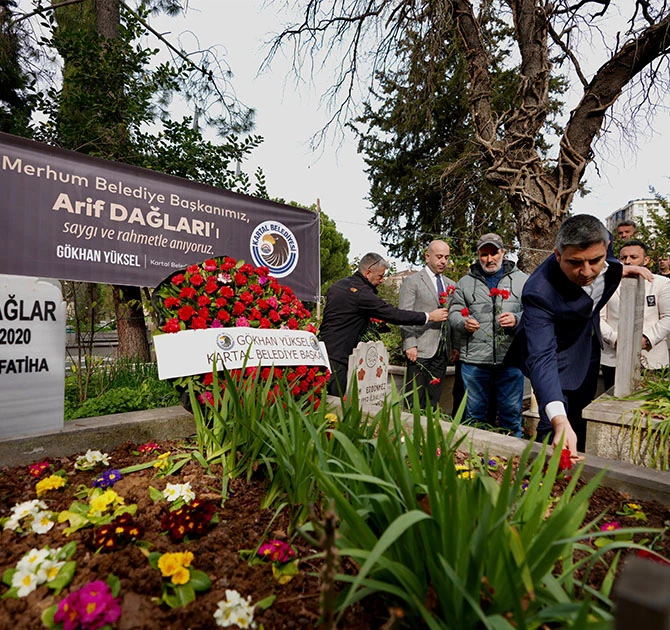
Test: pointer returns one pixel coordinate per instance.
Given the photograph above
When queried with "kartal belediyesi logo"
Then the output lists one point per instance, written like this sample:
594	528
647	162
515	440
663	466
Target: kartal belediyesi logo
274	246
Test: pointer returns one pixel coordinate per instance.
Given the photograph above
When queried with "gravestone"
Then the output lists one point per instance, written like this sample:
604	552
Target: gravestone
368	365
32	356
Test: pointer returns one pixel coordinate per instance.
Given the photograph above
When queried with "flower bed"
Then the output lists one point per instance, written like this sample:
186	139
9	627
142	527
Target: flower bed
241	525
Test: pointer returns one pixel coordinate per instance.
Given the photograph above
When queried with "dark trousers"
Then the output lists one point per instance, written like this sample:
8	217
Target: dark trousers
576	400
337	385
422	372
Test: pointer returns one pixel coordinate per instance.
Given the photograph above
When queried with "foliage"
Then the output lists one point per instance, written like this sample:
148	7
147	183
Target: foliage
116	387
333	247
16	102
656	235
365	38
426	171
650	429
455	546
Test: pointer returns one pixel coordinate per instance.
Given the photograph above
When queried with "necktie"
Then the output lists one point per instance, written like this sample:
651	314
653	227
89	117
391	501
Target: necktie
440	286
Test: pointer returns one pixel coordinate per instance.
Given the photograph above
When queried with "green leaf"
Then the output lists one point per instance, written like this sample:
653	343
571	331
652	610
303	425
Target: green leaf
266	602
48	616
63	577
114	584
199	581
155	495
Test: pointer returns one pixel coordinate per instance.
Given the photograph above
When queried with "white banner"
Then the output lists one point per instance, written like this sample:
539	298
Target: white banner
193	351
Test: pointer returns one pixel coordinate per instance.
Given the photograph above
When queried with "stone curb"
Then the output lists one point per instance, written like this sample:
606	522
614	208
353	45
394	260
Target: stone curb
102	433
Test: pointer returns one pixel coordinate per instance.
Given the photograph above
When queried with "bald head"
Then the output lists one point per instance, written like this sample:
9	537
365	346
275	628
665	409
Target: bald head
437	256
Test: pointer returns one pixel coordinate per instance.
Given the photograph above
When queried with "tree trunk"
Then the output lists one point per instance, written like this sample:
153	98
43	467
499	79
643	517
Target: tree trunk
130	323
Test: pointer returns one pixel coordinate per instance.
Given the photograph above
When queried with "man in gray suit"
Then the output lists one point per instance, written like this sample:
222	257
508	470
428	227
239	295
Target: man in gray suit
426	346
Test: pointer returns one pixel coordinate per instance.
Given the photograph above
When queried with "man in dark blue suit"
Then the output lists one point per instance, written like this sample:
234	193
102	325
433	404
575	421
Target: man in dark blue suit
558	340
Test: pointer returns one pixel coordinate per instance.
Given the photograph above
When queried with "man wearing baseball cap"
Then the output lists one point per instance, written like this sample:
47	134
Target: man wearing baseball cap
484	313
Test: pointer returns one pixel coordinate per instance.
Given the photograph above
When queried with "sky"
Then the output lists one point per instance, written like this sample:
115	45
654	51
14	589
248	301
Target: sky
289	114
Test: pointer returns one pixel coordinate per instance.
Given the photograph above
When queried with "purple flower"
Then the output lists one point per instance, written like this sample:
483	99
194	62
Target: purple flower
216	324
107	478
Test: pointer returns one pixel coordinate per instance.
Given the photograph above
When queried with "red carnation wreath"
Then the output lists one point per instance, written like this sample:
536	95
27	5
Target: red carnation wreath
223	292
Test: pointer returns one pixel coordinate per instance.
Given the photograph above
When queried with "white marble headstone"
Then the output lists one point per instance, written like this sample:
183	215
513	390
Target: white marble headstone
368	365
32	356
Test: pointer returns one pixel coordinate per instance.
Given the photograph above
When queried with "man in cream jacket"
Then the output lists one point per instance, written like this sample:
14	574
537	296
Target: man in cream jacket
656	326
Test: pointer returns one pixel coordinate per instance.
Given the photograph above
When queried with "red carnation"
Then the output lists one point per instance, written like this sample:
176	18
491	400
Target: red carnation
240	279
311	328
238	309
204	313
178	279
198	323
262	305
203	300
208	379
256	288
465	312
210	265
224	316
193	269
196	280
293	323
254	313
171	326
186	312
246	297
565	463
220	302
274	316
504	293
211	286
187	292
265	323
246	268
301	370
226	292
171	302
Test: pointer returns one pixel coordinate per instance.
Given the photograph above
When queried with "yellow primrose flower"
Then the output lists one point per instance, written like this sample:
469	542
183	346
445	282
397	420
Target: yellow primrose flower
163	461
633	506
331	419
181	576
465	472
171	563
50	483
104	501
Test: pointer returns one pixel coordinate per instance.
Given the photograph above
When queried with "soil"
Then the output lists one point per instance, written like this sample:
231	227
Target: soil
242	525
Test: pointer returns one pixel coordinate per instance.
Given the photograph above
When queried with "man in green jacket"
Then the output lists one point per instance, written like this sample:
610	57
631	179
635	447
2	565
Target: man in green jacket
484	313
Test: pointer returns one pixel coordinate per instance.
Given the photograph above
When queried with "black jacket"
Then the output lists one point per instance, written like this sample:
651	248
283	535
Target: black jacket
350	303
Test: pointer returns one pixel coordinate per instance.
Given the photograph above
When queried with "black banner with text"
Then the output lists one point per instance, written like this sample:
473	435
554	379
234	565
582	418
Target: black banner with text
73	217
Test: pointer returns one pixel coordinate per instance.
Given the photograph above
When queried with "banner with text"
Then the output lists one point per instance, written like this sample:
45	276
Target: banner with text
69	216
193	351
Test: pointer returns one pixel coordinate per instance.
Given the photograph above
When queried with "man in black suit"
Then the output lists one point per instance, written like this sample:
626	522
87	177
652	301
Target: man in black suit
558	341
350	304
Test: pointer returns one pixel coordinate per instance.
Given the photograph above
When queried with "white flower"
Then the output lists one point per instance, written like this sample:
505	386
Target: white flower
11	523
174	491
91	459
25	581
42	522
235	611
21	510
32	560
48	571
